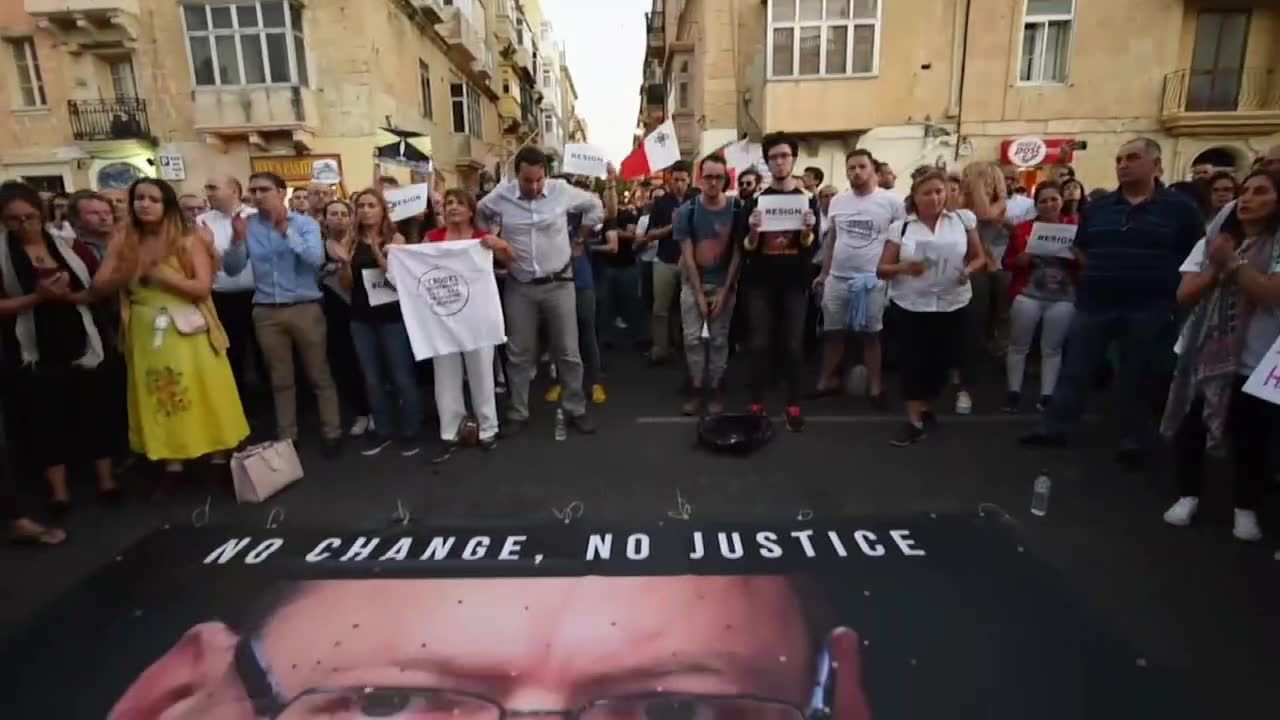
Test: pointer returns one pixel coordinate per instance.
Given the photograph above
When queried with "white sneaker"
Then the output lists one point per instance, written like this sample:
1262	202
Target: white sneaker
1181	512
1246	527
362	425
964	403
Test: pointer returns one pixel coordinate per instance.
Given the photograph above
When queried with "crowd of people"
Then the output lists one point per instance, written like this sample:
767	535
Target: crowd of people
162	315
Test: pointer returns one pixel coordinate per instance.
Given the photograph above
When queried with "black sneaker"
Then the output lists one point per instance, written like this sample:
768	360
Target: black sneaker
583	424
488	444
409	447
929	419
1043	404
1012	402
795	419
374	444
445	452
907	435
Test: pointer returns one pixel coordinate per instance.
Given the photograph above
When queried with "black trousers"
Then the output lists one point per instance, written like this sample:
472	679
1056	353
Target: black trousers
65	414
342	356
235	311
930	344
777	325
1251	425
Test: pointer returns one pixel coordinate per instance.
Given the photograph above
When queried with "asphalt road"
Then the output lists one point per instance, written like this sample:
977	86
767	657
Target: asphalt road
1194	600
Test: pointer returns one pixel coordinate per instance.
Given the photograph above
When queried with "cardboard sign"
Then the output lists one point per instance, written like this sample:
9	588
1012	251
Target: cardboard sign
1265	381
378	288
1052	239
583	159
407	201
782	212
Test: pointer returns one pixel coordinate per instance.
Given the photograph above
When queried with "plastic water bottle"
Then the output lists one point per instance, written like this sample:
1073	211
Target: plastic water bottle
1040	495
161	326
562	430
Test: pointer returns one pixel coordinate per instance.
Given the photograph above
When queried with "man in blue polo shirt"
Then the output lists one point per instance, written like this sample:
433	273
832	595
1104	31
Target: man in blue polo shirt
1131	243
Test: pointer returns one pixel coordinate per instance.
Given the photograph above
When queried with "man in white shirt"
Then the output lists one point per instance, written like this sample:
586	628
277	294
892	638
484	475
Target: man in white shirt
531	214
232	295
855	234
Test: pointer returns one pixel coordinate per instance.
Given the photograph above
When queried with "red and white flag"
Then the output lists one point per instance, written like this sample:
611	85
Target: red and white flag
659	151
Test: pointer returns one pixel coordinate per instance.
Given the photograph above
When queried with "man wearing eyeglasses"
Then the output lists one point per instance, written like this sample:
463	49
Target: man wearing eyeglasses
588	648
777	279
709	229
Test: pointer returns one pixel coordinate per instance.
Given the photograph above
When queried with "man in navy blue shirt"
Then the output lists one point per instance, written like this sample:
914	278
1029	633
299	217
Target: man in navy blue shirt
1130	244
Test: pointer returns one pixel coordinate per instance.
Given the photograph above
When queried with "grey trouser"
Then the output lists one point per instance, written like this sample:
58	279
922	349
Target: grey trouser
707	360
525	305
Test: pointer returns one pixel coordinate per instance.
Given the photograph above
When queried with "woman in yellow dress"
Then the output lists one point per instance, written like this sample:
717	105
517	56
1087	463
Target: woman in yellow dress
183	402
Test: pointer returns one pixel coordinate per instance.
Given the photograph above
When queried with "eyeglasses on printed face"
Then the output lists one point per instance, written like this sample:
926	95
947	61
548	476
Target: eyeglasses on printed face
409	703
429	704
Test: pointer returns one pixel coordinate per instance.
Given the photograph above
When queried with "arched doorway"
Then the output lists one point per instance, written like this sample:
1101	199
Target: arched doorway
1221	158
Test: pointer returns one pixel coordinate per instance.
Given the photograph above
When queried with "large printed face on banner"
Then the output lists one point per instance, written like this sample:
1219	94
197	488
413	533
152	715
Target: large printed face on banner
609	648
941	617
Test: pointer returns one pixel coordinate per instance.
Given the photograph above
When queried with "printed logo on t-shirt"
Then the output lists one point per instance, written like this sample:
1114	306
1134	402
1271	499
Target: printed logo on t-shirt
858	231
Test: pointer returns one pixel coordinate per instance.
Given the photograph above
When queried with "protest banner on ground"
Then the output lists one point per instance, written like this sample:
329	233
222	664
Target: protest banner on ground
846	619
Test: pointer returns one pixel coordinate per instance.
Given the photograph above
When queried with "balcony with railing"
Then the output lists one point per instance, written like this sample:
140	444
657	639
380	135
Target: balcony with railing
466	42
92	25
657	33
101	120
432	10
1222	101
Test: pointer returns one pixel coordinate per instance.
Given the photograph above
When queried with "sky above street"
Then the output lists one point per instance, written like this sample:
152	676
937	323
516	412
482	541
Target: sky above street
604	41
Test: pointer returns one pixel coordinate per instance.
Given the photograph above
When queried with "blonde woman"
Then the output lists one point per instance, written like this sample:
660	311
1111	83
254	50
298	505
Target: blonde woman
983	192
183	402
377	328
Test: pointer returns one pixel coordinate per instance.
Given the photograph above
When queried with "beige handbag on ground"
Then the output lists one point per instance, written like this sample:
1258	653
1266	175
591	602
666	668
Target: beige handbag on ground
260	471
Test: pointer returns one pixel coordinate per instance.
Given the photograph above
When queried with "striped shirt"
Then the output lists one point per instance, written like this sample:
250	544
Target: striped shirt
1133	250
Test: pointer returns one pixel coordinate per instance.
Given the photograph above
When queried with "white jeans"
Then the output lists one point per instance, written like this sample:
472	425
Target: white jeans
452	406
1025	314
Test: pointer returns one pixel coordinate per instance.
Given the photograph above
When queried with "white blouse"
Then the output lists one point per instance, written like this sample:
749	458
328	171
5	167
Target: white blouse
943	252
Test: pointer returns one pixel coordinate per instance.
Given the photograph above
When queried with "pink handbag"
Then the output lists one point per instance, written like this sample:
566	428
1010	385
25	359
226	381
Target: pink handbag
260	471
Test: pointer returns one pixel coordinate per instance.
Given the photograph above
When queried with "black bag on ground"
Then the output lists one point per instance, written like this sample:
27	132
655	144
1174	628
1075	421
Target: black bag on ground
734	434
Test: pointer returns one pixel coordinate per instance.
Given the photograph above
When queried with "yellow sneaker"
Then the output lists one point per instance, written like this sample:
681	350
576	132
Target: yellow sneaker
598	395
553	394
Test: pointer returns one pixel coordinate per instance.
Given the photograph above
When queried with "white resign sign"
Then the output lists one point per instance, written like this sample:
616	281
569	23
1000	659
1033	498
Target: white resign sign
782	212
583	159
1264	382
407	201
1052	239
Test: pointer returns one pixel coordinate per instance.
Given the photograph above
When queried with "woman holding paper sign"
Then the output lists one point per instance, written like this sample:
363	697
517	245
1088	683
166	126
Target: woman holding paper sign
377	329
1042	293
927	261
1233	283
459	217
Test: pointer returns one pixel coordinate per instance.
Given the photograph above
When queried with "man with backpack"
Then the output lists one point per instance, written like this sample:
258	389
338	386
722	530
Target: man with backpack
709	229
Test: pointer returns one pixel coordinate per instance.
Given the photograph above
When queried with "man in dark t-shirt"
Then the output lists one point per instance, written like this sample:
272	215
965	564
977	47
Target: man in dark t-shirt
777	279
618	287
666	268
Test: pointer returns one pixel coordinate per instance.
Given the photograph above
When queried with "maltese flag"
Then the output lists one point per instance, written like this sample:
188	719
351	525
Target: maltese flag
659	151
